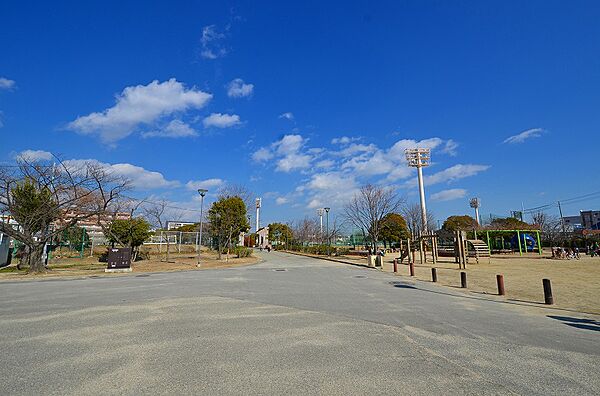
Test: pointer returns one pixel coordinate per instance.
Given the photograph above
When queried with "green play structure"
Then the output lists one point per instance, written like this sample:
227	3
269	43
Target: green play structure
511	240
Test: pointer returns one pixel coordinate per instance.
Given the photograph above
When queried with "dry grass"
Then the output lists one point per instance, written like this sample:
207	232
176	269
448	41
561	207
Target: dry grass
157	263
575	283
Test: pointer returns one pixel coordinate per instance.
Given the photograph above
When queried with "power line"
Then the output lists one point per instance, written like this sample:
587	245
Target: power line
567	201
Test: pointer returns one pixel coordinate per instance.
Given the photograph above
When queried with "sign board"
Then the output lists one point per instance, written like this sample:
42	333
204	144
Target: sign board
119	258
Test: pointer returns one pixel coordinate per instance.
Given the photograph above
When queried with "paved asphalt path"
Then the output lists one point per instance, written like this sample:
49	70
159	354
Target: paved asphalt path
289	325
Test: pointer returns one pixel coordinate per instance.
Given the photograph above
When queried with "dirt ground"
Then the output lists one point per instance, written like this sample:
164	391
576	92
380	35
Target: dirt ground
575	283
66	266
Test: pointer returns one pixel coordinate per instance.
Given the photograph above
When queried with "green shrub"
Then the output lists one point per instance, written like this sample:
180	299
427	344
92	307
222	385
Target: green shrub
241	252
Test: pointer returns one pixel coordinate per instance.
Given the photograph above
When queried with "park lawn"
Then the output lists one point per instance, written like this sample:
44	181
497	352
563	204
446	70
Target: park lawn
157	263
575	283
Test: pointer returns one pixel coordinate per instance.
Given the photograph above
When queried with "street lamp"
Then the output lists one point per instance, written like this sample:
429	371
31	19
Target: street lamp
328	239
418	158
202	193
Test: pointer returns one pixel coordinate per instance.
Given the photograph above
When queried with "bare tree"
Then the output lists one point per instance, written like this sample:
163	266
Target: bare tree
412	215
45	199
237	190
369	206
306	231
550	226
156	213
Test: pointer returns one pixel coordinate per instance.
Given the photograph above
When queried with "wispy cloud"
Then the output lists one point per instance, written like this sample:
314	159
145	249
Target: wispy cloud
344	140
237	88
288	152
34	155
219	120
174	129
287	116
212	41
207	184
5	83
449	195
139	105
523	136
140	178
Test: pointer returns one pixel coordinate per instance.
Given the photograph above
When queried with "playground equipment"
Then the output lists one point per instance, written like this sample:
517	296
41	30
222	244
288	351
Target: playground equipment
504	241
465	248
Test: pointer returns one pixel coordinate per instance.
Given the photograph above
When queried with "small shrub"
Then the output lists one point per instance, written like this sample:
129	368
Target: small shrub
241	252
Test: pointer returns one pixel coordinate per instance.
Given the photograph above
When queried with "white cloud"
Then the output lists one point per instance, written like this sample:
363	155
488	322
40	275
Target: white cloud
448	195
288	152
262	154
450	147
354	149
325	164
456	172
281	200
288	116
238	89
293	162
528	134
219	120
139	105
5	83
34	155
139	177
212	43
206	184
344	140
331	188
174	129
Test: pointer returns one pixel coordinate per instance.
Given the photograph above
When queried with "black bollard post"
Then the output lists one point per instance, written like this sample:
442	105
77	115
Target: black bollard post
395	265
548	298
412	269
463	280
433	275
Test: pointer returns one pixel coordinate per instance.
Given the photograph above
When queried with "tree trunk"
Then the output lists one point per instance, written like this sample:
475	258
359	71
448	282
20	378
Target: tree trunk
35	259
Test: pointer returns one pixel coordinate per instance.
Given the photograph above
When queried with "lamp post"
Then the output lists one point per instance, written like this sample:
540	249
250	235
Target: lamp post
202	193
418	158
328	239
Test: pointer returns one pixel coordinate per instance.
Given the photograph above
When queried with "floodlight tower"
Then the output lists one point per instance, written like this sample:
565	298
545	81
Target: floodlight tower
258	204
418	158
320	214
475	204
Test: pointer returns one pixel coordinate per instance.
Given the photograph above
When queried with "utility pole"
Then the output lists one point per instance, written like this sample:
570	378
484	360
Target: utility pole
328	239
418	158
562	220
202	193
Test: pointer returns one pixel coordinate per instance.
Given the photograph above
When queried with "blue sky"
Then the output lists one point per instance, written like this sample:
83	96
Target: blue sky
303	102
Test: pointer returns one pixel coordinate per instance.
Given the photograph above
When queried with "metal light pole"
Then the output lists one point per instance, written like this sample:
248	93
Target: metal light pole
475	204
320	214
328	239
418	158
202	193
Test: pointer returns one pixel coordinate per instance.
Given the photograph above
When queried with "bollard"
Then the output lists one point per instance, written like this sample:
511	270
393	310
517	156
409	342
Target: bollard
500	282
433	275
411	266
395	265
463	280
548	298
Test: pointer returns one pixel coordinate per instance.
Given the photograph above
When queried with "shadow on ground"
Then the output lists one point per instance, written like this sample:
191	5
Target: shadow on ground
586	324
